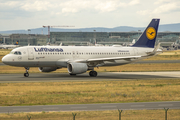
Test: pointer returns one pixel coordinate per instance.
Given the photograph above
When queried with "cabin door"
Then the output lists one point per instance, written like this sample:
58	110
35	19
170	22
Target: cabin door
30	54
75	54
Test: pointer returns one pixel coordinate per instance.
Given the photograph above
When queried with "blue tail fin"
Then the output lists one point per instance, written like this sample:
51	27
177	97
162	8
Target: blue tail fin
148	38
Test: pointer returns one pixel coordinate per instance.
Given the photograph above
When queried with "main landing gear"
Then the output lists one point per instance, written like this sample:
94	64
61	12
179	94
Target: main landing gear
26	74
72	74
93	73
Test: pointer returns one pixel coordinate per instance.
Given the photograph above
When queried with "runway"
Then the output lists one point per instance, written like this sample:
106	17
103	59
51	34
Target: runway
57	77
93	107
2	64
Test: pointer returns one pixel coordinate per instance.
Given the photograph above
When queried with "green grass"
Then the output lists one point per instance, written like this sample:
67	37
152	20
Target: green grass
12	94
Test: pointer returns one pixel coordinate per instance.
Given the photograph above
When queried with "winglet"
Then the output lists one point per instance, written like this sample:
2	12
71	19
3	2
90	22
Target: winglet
148	38
156	48
154	51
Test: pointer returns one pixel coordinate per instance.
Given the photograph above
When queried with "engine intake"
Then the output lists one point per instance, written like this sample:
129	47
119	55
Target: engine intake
77	68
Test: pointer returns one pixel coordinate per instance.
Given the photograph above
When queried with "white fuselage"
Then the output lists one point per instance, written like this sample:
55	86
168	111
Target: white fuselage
60	56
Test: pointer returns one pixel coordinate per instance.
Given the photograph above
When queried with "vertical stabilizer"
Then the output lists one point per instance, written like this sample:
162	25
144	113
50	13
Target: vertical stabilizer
16	43
148	37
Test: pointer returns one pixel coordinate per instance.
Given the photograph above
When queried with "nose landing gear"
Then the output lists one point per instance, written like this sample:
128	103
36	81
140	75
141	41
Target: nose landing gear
93	73
26	74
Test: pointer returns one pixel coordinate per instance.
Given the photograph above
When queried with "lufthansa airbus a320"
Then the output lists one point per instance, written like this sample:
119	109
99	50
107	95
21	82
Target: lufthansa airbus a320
79	59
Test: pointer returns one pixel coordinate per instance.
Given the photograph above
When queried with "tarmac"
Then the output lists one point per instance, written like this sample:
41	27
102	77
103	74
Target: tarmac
61	77
102	76
93	107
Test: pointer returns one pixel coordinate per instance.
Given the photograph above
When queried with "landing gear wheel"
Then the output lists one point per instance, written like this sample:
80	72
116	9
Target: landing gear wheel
93	73
26	74
90	73
72	74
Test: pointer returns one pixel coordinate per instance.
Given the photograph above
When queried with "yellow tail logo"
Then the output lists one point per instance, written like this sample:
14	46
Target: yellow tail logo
151	33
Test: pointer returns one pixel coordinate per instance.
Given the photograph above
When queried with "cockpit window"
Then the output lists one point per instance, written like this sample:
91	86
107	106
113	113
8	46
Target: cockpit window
15	52
19	53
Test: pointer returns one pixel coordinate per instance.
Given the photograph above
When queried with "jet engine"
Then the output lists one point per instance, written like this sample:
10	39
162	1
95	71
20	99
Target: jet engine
77	68
47	69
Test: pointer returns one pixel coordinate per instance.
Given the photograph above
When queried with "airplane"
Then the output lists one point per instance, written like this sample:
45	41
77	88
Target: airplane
80	59
9	46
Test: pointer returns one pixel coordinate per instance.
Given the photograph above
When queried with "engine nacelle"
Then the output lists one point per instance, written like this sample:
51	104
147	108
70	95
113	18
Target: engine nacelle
47	69
77	68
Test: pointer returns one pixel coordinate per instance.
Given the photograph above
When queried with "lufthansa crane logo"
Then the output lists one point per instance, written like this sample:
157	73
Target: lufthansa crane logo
150	33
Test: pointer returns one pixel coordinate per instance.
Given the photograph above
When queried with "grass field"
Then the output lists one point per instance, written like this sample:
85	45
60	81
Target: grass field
96	115
88	92
12	94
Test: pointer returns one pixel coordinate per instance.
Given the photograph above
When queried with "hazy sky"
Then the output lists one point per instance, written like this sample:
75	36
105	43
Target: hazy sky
28	14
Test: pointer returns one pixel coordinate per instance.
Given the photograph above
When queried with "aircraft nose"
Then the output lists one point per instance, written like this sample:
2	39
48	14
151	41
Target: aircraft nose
4	59
8	60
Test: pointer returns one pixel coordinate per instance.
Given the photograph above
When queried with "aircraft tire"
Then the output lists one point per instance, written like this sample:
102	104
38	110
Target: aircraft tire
26	74
72	74
90	73
93	73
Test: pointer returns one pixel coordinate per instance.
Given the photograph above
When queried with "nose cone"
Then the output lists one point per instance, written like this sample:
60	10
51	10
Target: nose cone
9	60
5	59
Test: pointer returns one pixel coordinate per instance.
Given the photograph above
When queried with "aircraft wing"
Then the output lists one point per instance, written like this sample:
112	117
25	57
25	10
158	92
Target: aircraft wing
109	59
